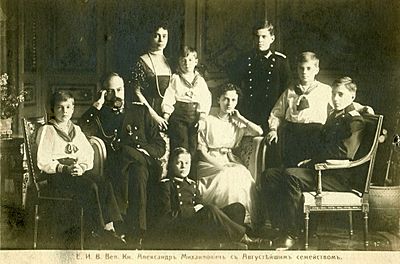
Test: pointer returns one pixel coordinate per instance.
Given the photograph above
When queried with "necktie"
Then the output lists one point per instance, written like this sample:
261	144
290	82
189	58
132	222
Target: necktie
303	103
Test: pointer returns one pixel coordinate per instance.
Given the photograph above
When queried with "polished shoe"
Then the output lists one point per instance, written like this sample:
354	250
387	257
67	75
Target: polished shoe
256	243
134	242
93	241
233	246
285	242
111	240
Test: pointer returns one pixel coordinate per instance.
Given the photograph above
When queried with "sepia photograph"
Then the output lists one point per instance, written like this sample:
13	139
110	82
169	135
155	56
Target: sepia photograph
180	131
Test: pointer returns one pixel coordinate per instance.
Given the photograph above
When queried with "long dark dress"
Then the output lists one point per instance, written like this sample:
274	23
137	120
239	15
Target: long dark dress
144	78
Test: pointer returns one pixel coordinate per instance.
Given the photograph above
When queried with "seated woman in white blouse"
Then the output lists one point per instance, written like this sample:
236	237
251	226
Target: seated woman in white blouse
223	180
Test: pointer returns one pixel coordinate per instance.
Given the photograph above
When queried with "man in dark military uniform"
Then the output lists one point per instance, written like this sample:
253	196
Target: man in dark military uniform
133	147
340	138
185	220
262	74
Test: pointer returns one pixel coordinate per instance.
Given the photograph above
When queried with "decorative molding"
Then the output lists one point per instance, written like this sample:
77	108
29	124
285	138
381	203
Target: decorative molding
31	94
73	47
221	37
83	94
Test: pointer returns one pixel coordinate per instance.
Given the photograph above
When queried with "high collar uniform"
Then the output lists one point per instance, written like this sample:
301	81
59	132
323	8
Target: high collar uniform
180	223
262	78
340	138
133	148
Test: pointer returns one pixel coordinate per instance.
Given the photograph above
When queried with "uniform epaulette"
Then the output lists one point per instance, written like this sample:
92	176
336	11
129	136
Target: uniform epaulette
190	181
354	113
280	54
165	180
137	103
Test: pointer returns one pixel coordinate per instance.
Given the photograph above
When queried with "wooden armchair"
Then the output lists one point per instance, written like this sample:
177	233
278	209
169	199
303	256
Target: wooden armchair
37	192
320	201
252	152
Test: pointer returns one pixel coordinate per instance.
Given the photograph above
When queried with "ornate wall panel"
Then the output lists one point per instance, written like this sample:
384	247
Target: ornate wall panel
228	30
73	35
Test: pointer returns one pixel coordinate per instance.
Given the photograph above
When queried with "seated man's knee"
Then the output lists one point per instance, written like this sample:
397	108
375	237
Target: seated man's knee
87	184
271	177
139	173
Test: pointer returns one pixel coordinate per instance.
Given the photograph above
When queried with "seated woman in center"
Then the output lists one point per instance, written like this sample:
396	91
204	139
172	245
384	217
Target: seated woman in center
223	180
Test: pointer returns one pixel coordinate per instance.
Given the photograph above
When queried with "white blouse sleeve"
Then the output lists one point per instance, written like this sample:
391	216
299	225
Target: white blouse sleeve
167	105
278	112
45	142
85	154
205	98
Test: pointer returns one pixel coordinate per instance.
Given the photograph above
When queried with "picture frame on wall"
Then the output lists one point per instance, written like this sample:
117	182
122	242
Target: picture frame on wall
83	94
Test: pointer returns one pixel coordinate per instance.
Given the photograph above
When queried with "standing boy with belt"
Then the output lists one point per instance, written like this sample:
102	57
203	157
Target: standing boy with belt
186	103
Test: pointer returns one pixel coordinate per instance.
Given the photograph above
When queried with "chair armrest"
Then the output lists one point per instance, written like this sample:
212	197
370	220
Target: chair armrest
341	164
333	164
100	155
249	152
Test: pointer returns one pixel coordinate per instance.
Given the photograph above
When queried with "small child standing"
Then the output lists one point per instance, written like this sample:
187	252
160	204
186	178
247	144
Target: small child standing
185	219
187	101
65	158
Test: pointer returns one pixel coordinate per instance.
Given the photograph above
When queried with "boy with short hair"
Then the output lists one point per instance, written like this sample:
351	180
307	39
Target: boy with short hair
263	74
187	101
65	158
339	138
184	218
301	110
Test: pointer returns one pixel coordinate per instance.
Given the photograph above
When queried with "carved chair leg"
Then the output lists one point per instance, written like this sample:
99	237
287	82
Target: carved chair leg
306	226
366	242
81	229
351	232
36	225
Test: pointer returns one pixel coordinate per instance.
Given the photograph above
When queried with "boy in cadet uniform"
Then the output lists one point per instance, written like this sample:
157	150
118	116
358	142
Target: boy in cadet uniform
301	111
339	138
133	146
185	220
262	75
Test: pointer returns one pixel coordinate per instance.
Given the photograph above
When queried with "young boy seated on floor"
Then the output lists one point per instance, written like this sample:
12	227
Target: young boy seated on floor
184	219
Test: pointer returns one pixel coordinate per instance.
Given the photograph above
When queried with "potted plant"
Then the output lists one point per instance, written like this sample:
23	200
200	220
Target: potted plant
10	100
384	201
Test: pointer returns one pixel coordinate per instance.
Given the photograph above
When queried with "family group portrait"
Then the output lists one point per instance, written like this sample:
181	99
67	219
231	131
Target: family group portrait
268	125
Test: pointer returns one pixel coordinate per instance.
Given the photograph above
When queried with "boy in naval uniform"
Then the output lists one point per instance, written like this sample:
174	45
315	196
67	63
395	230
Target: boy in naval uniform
339	138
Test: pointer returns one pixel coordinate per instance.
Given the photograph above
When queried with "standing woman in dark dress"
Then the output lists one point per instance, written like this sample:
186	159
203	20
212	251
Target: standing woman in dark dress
151	74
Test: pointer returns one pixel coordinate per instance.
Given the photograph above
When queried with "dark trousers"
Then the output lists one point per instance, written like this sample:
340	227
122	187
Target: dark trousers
182	129
141	178
94	194
283	192
299	142
210	224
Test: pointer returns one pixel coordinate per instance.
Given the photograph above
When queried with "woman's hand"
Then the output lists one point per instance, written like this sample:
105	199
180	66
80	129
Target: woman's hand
161	122
272	136
201	125
235	115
